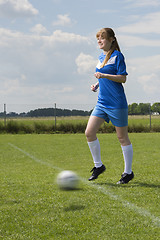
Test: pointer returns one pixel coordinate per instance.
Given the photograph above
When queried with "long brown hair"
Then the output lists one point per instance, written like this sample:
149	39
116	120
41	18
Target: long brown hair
108	33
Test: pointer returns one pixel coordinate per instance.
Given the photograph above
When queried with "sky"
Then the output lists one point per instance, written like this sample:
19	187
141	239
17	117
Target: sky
48	50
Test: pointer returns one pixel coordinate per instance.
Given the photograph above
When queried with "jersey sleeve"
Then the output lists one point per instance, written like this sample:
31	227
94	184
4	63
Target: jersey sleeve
121	66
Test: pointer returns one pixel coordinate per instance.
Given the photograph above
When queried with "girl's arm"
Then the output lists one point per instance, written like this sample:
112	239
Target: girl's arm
115	78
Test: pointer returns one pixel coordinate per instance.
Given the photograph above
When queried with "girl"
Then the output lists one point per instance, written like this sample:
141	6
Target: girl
111	105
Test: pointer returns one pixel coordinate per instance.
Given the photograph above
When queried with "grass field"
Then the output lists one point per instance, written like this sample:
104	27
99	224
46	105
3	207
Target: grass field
32	206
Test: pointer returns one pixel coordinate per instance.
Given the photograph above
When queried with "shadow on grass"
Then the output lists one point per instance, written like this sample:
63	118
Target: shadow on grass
116	185
130	185
147	185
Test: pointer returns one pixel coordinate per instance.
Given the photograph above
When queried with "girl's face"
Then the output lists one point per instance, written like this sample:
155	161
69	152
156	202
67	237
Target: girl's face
104	44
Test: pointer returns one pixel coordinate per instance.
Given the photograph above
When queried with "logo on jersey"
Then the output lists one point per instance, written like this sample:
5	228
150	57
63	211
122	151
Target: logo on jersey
112	60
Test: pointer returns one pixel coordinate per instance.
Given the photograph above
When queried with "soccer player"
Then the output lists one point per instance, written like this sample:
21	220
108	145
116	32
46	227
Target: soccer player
111	104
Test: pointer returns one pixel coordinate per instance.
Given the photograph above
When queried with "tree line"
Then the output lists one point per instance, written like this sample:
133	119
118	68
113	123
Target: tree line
133	109
143	108
48	112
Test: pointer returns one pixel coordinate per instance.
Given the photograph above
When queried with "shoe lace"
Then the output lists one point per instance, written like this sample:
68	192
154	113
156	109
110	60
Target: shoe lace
93	169
123	176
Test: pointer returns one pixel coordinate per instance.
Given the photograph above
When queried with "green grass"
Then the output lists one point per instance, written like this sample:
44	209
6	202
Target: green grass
48	120
144	120
32	206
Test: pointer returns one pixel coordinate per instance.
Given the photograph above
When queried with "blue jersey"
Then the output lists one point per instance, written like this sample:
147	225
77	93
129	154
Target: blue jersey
111	94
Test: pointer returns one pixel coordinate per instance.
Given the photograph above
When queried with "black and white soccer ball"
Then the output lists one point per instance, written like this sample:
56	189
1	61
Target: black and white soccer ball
67	180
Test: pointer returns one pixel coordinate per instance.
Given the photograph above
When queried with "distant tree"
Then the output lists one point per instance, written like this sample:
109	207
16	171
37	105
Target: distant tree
41	112
46	112
23	114
144	108
12	114
79	113
156	107
139	109
133	109
1	114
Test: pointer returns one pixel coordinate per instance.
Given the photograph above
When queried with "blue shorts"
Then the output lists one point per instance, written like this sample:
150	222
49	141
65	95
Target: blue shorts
118	117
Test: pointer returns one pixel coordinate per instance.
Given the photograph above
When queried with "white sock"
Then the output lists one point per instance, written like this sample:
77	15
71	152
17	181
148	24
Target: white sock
128	156
96	153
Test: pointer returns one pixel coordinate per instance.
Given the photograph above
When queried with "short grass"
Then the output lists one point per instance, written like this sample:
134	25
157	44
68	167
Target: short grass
32	206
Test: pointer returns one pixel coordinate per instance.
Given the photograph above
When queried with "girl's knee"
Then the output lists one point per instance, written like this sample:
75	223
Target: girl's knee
87	132
91	136
124	140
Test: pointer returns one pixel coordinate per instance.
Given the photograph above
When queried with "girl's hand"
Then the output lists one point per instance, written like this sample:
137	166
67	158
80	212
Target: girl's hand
94	87
98	75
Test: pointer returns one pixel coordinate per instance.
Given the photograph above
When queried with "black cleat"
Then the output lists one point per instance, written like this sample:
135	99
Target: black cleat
126	178
97	172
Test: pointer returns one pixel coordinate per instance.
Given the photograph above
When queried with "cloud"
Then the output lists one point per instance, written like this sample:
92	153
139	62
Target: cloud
17	87
66	38
145	66
135	41
41	67
61	36
10	38
62	20
17	8
143	78
148	24
150	83
85	63
39	29
64	90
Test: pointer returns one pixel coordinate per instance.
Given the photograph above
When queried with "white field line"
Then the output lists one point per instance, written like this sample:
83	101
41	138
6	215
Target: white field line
141	211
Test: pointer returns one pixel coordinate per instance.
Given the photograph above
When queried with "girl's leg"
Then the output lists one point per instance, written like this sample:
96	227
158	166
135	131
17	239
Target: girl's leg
92	127
122	134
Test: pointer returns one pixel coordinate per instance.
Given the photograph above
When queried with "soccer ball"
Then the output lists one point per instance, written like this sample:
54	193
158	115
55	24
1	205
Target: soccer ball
67	180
